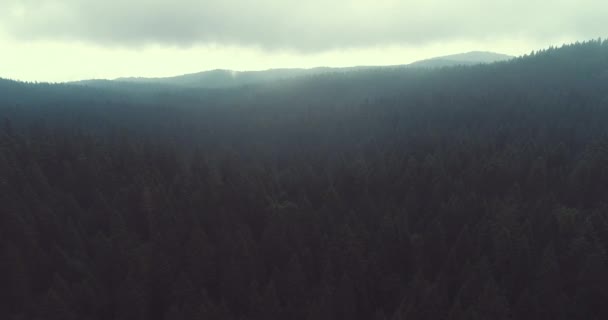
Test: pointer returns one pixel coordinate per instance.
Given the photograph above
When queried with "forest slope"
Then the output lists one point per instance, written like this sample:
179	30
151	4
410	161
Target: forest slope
473	192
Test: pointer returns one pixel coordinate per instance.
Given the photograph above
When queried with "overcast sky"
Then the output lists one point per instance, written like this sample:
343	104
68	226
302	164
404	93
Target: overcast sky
62	40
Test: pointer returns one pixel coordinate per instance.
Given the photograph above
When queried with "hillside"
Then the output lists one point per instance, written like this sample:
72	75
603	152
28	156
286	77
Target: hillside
470	192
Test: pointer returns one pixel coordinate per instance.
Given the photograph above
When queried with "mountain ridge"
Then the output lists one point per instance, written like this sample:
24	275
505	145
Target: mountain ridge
226	78
468	58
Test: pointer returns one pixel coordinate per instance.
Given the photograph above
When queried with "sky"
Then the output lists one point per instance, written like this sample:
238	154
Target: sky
67	40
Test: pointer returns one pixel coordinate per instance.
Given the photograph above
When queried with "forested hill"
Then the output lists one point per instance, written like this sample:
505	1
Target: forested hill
471	192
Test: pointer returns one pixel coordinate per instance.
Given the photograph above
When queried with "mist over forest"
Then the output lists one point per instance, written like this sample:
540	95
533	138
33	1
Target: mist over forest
439	190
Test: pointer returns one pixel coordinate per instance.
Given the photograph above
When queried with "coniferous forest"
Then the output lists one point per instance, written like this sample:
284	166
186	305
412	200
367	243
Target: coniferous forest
472	192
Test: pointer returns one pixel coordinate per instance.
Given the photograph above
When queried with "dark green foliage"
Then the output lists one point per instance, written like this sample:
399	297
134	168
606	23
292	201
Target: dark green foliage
459	193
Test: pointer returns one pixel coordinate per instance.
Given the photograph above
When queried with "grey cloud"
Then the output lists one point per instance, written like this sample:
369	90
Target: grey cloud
303	25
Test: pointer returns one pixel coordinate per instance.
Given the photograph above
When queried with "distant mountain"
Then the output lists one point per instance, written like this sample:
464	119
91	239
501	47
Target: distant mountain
470	58
229	78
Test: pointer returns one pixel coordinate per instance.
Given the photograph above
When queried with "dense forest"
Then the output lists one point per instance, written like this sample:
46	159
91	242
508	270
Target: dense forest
471	192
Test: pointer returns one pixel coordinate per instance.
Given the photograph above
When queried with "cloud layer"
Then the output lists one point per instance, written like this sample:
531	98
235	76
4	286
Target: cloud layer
305	26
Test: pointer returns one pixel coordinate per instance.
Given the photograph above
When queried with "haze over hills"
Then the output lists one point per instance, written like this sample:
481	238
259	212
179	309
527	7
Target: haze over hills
316	160
229	78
